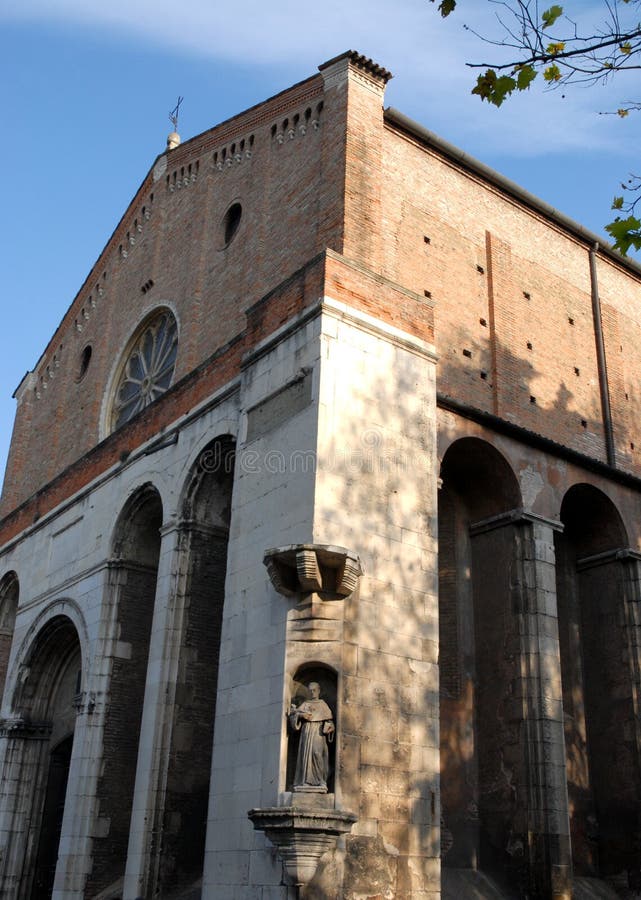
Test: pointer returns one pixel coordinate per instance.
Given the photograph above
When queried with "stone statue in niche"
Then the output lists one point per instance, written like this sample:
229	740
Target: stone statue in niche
314	719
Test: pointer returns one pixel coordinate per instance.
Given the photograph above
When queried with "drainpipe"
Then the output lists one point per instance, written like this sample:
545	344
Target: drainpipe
601	362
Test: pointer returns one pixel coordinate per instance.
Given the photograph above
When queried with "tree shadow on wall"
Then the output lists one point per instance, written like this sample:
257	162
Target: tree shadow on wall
383	505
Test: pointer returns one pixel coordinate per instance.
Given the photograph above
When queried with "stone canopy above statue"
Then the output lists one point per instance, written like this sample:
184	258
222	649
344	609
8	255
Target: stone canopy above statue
331	572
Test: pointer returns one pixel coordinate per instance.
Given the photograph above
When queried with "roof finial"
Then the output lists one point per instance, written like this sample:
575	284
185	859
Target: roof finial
174	138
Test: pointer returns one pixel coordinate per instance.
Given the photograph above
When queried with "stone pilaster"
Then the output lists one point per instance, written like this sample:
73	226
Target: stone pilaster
23	750
540	820
155	731
81	822
551	857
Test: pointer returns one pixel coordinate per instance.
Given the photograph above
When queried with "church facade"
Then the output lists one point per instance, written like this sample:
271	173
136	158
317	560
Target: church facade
320	548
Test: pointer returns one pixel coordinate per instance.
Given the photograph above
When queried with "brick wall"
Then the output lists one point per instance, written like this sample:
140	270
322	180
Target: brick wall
170	249
512	292
316	168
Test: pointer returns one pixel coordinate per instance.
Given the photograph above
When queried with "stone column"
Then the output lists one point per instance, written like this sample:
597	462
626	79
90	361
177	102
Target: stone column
532	744
81	823
155	731
548	820
610	636
23	750
633	631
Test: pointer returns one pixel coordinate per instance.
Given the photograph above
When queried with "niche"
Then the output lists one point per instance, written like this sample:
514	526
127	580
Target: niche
311	748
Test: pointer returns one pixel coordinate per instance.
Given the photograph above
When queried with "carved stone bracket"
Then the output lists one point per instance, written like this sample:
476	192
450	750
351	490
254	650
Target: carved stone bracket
331	572
301	836
24	729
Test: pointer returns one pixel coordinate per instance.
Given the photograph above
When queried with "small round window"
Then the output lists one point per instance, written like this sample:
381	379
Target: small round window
148	369
231	223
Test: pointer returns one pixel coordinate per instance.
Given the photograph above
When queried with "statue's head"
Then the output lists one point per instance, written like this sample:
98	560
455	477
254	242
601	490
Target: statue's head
314	689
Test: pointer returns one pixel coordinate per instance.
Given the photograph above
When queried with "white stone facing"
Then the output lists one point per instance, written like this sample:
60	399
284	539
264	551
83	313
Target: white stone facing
62	567
353	468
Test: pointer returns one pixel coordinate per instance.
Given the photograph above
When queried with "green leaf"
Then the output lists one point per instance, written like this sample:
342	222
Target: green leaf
551	15
446	7
552	73
626	233
525	75
617	203
494	88
626	48
555	48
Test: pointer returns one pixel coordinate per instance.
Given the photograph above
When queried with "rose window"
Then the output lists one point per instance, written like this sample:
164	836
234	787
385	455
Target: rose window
148	370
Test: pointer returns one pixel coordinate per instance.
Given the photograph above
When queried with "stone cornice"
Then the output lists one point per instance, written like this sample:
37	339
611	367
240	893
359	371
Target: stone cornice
518	516
620	554
23	729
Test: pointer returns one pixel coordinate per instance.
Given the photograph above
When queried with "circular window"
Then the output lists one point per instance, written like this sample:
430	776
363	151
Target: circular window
148	370
231	222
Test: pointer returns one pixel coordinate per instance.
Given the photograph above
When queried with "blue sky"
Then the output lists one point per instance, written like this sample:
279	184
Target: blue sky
88	88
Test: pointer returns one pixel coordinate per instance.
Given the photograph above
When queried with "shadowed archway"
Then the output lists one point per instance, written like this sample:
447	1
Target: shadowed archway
593	586
134	572
478	660
38	755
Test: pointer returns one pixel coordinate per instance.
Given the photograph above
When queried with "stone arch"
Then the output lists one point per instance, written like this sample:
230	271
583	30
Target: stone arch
203	535
133	577
594	580
64	608
136	535
479	502
44	658
39	744
483	475
206	495
9	597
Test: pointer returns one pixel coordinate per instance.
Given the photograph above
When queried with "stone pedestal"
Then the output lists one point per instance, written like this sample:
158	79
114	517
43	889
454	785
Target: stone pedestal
301	836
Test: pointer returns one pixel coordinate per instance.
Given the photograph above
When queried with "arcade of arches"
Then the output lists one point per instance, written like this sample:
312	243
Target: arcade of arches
539	684
539	680
73	750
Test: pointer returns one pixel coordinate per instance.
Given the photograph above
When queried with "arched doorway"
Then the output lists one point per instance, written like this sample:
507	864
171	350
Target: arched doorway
482	781
38	755
52	814
604	785
134	573
177	860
